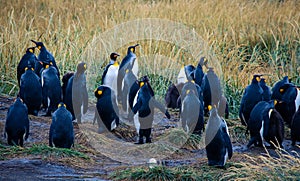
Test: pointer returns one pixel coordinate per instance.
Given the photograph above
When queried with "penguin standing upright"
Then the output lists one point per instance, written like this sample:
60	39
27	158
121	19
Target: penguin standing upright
28	58
65	80
276	94
218	144
44	57
289	102
17	123
199	74
31	90
51	88
110	74
145	107
192	117
265	124
61	134
295	127
252	95
266	89
107	113
76	95
128	61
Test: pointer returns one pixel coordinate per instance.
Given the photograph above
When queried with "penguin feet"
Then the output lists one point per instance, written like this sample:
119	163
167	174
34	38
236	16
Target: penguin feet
148	140
140	141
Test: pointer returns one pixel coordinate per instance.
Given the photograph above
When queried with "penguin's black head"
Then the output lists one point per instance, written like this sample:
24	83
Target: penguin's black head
114	56
285	87
256	78
38	45
61	105
30	50
262	80
47	64
202	61
132	49
101	91
81	67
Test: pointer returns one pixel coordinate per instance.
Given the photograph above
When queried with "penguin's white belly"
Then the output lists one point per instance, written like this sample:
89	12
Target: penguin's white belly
136	116
135	68
111	78
297	100
181	78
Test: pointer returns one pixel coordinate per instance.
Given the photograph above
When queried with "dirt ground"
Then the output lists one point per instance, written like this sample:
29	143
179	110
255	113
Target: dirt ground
103	161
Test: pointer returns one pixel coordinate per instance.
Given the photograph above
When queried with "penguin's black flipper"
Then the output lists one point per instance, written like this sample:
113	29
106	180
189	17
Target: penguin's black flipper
132	93
160	107
228	143
104	74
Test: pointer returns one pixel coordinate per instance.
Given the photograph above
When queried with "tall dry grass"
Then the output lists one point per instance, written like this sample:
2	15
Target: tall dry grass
247	36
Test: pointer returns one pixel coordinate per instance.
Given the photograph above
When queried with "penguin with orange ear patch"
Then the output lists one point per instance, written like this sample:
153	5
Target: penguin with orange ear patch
110	74
252	95
129	60
265	124
28	58
44	57
107	113
31	90
61	133
17	123
217	140
51	88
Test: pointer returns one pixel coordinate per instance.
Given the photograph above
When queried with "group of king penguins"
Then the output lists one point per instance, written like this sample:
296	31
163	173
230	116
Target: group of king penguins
265	111
196	94
40	89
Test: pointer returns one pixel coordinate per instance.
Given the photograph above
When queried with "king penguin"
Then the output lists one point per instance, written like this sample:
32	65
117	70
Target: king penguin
252	95
44	57
110	74
28	58
31	90
217	140
61	134
265	124
107	113
17	123
129	60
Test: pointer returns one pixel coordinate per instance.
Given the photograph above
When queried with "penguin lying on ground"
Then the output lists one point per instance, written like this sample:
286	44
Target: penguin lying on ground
252	95
295	127
17	123
191	116
76	95
217	140
289	102
145	107
28	58
265	123
128	60
61	134
44	57
51	88
110	74
107	113
31	90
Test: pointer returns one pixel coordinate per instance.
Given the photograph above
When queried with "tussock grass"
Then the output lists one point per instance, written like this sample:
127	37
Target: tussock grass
247	37
40	149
